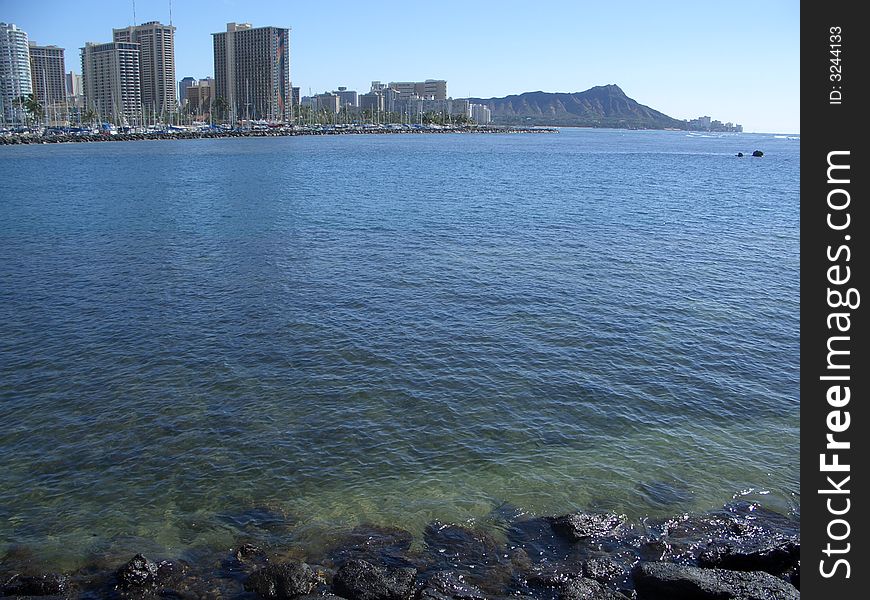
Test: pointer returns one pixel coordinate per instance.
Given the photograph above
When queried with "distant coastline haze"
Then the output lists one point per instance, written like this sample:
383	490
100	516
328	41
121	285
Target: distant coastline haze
736	63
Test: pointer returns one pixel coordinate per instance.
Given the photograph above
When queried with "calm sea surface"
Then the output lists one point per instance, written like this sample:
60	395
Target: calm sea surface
207	341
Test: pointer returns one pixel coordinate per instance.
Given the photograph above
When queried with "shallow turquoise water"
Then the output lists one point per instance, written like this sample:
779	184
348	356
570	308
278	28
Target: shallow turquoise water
267	339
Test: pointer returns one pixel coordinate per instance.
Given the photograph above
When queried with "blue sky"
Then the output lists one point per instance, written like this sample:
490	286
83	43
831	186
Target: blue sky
734	61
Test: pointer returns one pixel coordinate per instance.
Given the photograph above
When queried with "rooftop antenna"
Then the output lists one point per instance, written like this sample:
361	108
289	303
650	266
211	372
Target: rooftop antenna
170	13
134	12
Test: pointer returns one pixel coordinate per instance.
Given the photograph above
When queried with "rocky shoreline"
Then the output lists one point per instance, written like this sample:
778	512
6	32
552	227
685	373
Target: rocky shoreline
741	552
13	140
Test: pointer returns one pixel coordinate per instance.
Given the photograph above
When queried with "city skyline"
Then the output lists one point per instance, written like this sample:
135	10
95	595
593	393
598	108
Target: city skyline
682	59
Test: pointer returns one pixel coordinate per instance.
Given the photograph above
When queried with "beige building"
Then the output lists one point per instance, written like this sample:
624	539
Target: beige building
156	65
47	72
110	74
252	71
200	96
431	89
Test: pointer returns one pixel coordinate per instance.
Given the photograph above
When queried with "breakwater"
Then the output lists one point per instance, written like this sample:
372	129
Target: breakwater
275	132
739	551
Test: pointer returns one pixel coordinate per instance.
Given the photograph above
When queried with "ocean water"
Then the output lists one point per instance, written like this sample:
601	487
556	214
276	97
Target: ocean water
276	339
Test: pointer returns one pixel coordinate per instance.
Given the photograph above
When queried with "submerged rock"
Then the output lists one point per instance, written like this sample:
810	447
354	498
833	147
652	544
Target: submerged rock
374	543
668	581
361	580
580	526
282	581
455	546
50	584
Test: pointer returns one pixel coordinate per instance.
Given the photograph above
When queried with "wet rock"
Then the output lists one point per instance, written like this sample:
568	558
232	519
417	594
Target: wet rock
668	581
553	576
248	552
602	569
320	597
282	581
654	550
773	556
581	526
447	585
583	588
51	584
536	538
740	155
361	580
140	572
793	575
758	153
384	545
454	546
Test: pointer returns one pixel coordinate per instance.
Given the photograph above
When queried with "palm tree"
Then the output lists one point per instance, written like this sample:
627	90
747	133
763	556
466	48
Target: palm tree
220	107
89	116
31	106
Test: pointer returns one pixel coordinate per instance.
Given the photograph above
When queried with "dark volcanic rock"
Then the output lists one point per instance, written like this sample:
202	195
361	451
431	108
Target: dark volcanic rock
320	597
668	581
282	581
602	569
454	546
579	526
583	588
774	556
447	585
247	552
757	153
51	584
383	545
536	538
140	572
361	580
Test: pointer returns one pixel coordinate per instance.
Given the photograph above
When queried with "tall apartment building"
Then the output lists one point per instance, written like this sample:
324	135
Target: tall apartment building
75	89
182	89
15	76
156	64
252	71
110	74
48	72
200	96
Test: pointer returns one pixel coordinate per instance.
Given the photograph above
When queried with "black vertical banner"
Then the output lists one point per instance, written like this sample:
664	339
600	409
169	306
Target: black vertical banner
835	368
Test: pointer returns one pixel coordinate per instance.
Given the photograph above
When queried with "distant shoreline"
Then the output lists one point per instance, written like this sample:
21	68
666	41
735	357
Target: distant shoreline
16	139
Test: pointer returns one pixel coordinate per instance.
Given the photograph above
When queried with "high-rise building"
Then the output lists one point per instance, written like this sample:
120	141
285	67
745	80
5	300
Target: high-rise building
347	98
110	73
326	102
252	71
15	76
47	71
182	89
200	96
156	64
481	114
431	89
74	86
